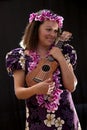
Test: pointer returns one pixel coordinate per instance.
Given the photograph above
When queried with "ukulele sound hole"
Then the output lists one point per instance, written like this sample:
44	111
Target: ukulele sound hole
46	68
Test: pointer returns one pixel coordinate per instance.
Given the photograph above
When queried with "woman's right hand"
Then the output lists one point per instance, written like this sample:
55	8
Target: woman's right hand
21	92
45	87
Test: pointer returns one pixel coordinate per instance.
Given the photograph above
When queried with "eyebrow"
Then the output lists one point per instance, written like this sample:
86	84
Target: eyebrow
50	26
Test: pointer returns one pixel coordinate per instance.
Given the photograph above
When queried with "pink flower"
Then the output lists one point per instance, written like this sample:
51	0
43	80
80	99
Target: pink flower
50	102
46	15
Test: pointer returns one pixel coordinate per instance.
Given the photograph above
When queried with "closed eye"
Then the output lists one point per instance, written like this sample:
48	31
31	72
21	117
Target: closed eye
56	31
49	29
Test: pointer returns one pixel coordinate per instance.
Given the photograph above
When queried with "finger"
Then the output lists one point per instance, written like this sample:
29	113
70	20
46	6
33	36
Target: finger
49	91
48	80
52	85
51	88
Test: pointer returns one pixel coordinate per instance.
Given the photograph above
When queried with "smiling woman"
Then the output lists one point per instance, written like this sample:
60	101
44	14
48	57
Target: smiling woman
48	33
48	94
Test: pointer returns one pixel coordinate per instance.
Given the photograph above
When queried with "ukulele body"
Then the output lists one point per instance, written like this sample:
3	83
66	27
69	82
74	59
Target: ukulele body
44	70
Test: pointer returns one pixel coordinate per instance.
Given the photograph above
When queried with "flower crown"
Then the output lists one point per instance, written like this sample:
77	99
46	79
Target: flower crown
46	15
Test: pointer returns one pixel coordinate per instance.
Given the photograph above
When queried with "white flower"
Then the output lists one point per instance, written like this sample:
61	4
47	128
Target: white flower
9	53
59	128
21	52
67	58
79	126
50	120
59	122
22	62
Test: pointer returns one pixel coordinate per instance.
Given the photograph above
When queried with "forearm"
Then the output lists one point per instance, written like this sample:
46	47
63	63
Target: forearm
24	93
39	88
68	76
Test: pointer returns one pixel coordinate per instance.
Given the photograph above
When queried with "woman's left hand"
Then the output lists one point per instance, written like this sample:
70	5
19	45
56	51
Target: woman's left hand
56	53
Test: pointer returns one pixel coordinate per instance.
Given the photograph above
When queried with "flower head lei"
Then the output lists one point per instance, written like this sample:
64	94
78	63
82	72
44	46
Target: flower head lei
46	15
50	102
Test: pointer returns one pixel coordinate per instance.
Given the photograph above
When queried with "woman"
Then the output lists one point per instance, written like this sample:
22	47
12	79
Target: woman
48	99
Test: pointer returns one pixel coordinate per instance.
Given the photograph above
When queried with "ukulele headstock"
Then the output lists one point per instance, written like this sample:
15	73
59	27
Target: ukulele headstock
65	36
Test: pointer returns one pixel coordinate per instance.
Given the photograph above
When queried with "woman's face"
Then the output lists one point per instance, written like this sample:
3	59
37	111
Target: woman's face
47	33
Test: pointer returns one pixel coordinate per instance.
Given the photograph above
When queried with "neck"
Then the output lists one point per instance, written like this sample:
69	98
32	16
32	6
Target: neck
42	51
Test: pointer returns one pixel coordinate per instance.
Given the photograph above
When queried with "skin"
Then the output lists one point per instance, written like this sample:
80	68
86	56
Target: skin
47	35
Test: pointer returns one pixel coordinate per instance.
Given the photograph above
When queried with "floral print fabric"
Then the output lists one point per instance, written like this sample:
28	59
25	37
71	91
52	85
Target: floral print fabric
65	117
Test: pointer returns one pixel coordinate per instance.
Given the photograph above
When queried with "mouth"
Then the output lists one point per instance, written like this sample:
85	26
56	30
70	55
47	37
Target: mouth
50	40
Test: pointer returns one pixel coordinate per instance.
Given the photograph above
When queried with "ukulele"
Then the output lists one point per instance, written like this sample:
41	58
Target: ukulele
46	67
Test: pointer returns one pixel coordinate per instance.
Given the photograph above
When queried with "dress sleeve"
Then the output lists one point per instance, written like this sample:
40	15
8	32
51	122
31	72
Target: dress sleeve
70	54
15	60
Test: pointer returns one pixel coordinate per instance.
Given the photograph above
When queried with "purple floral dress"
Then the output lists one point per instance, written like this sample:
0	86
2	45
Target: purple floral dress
65	117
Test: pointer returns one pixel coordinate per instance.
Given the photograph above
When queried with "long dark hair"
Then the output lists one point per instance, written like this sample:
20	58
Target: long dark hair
30	38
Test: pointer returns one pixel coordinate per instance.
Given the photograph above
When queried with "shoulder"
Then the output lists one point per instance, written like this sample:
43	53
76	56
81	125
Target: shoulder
70	53
19	51
15	59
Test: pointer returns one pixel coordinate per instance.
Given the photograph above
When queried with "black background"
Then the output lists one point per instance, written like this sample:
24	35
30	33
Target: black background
13	19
